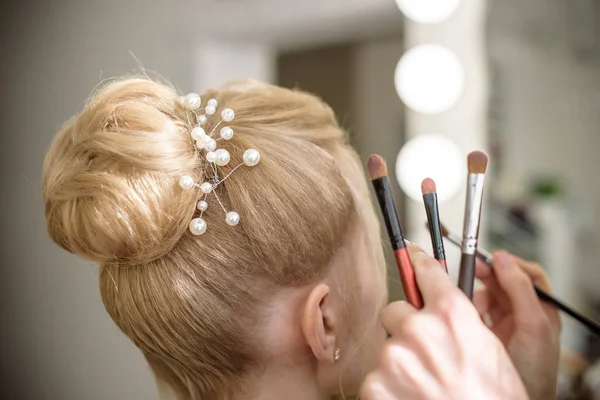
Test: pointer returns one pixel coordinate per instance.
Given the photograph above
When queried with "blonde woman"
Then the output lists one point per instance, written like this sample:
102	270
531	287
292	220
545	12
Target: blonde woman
266	283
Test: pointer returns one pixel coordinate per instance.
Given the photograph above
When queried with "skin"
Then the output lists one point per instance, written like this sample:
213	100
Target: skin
443	351
528	328
306	325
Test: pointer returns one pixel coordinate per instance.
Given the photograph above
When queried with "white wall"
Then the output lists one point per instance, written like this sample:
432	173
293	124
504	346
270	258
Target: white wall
550	113
59	342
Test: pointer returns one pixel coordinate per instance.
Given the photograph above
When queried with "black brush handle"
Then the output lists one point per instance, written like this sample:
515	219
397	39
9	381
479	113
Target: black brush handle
592	325
383	191
466	274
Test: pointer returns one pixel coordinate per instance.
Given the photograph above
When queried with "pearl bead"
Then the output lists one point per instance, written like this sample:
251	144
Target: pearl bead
210	110
186	182
204	140
192	101
210	144
198	133
211	156
227	115
213	102
198	226
201	119
251	157
223	157
206	187
232	218
226	133
202	205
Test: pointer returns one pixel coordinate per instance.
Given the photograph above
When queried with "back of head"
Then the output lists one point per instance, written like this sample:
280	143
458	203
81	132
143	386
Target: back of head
191	302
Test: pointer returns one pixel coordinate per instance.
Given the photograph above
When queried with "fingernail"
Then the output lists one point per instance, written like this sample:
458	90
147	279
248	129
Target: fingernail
502	260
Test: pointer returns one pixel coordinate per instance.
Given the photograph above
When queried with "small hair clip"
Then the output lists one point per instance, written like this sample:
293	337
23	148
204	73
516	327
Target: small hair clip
215	157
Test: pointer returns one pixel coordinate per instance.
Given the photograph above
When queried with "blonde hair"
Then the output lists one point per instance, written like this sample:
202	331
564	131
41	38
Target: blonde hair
111	196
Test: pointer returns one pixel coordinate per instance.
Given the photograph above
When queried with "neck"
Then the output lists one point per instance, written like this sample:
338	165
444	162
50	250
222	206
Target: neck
290	371
291	383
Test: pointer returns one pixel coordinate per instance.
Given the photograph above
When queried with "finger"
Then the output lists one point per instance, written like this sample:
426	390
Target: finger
536	273
483	301
540	278
496	315
376	387
405	370
482	270
492	286
434	283
518	287
394	315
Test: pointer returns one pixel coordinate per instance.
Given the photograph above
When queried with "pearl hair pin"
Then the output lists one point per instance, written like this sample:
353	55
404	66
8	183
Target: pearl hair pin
215	157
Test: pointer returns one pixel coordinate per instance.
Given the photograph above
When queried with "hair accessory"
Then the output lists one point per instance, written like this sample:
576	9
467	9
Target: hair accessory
215	157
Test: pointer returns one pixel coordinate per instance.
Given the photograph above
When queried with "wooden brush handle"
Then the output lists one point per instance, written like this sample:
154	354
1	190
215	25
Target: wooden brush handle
407	277
466	274
444	265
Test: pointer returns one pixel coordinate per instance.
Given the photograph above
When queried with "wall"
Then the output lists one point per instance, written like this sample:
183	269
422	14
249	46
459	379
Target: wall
465	123
325	71
58	342
379	121
549	109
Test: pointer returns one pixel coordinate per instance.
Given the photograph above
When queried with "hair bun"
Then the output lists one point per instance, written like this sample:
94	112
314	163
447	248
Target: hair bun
110	176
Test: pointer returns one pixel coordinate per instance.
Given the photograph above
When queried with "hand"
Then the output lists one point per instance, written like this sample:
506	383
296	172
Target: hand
443	351
528	327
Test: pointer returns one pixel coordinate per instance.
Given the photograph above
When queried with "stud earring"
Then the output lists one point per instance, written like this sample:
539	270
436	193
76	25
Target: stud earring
336	354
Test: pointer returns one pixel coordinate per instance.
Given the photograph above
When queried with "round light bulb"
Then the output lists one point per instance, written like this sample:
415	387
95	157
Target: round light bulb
429	79
431	156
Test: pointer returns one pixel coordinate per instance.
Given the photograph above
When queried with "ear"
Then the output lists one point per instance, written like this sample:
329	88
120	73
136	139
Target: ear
318	323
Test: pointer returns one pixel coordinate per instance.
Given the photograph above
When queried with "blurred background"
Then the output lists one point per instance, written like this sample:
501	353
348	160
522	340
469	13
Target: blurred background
421	82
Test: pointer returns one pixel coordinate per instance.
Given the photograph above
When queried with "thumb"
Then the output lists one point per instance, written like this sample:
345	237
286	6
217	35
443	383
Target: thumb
394	315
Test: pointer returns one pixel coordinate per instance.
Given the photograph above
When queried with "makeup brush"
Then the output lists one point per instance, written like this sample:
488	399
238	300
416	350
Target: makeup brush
487	257
381	183
433	218
477	164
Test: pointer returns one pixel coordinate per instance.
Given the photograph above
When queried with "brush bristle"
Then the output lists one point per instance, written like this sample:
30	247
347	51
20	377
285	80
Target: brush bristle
444	230
377	167
477	162
427	186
